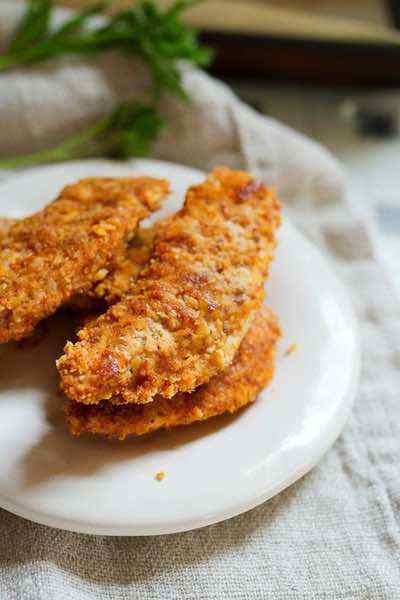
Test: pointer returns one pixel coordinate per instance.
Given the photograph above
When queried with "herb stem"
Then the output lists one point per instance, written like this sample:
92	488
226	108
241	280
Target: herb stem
78	145
9	61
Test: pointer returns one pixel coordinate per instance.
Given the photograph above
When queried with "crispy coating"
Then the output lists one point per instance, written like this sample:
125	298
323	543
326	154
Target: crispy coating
239	385
126	268
5	226
60	251
121	275
88	307
187	313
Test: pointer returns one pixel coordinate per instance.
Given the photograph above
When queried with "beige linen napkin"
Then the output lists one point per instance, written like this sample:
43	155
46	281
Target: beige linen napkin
41	106
334	534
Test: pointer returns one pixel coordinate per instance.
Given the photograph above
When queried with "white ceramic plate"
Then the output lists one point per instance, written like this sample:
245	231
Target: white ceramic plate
214	470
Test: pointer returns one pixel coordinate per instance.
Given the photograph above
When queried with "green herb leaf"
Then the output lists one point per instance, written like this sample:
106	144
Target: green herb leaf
134	129
159	37
34	27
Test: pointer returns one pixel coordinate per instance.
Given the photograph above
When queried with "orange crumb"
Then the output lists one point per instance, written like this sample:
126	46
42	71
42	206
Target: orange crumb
292	348
160	476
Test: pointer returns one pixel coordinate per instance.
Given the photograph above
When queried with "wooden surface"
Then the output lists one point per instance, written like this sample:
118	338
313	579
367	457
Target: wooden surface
297	20
295	60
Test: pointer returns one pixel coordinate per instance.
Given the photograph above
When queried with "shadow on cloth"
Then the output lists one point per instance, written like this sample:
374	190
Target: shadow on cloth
124	560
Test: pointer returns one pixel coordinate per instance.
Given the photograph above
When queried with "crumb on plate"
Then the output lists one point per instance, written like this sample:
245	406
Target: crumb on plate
292	348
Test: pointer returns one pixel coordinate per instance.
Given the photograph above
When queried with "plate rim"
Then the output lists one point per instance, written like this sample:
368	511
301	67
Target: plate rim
263	495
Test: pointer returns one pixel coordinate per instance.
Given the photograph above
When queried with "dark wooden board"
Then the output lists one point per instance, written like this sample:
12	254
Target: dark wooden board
300	60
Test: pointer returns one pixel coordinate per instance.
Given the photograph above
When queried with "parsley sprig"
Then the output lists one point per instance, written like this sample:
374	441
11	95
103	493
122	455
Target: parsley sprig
158	37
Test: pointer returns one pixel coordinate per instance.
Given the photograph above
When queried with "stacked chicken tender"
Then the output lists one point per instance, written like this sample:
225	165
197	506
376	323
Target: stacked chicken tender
175	328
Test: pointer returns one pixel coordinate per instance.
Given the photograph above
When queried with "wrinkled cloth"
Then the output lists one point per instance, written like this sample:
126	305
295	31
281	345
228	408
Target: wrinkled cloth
335	533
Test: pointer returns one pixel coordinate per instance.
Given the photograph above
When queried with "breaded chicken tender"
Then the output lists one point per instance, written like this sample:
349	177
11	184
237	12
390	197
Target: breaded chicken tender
239	385
125	269
128	267
184	318
60	251
120	277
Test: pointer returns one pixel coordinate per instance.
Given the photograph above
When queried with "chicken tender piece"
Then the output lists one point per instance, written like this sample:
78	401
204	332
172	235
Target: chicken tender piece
239	385
60	251
125	269
128	267
184	318
90	306
124	272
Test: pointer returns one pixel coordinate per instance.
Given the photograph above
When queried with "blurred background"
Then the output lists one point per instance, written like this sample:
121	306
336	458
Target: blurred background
318	41
328	68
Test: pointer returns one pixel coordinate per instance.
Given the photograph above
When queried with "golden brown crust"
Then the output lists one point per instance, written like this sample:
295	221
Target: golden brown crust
60	251
184	318
239	385
127	267
5	225
121	275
